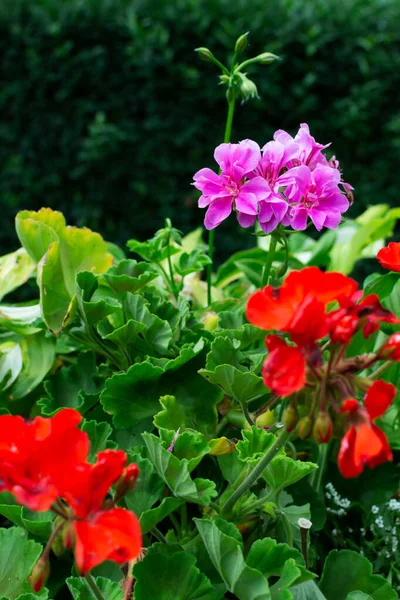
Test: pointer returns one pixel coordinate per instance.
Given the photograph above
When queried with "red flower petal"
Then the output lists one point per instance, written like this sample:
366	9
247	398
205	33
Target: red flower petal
346	457
389	257
385	453
379	397
289	307
86	487
111	535
284	369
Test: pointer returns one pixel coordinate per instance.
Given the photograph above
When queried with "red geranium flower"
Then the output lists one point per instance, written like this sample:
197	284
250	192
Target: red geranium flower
354	315
298	306
389	257
284	369
33	454
101	533
365	444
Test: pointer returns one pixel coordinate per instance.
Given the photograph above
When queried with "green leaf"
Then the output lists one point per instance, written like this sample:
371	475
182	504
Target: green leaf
15	269
254	444
78	587
150	518
62	252
192	262
18	555
307	591
359	596
129	276
293	514
381	285
171	577
176	473
37	523
20	318
284	471
37	230
38	353
240	386
133	397
54	297
94	306
148	487
99	434
76	386
10	363
270	558
227	557
355	575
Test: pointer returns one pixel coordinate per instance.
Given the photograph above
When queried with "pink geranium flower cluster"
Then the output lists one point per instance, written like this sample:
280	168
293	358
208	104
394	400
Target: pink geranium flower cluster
288	181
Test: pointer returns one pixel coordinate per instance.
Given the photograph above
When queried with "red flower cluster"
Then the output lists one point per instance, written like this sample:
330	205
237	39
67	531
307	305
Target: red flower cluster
43	462
389	257
311	306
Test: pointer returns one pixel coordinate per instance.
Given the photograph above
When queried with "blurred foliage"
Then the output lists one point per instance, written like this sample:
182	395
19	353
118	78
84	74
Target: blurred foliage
106	111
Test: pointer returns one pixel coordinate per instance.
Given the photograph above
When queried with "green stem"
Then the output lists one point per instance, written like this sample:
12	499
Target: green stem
381	369
171	272
257	471
93	587
269	261
157	534
316	477
246	413
211	235
288	529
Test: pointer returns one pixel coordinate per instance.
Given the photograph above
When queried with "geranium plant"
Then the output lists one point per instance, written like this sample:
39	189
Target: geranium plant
170	429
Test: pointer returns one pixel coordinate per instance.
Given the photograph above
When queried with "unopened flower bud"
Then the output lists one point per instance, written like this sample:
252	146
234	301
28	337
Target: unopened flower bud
127	481
210	321
391	348
205	54
305	428
266	419
322	430
247	88
40	574
266	58
241	43
290	418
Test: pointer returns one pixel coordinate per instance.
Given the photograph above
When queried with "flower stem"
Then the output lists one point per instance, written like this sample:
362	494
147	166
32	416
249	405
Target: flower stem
93	587
288	529
381	369
128	585
257	471
316	477
211	235
171	272
269	261
246	413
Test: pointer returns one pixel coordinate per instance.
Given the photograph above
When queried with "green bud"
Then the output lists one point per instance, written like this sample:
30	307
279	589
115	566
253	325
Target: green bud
305	428
322	430
205	54
210	321
40	574
224	79
266	58
241	43
230	94
290	418
266	419
247	88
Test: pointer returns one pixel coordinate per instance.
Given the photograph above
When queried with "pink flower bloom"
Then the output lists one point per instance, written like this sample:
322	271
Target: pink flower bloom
309	152
274	160
314	194
229	190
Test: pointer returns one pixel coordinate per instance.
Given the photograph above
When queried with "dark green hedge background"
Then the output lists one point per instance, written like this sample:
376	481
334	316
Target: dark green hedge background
106	111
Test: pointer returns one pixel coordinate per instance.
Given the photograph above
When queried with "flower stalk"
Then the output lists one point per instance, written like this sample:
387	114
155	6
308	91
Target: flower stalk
252	477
